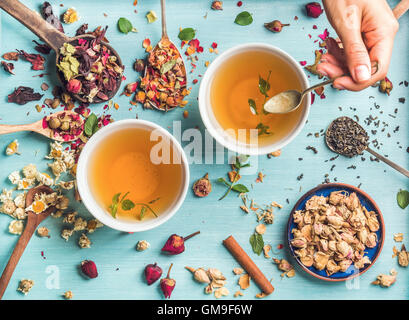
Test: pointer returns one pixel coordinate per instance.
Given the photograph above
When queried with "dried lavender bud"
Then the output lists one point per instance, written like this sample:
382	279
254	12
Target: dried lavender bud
275	26
202	187
345	136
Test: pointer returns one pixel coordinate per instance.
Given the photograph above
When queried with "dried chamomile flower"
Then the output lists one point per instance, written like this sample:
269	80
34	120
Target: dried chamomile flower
386	280
8	207
80	224
12	148
398	237
56	150
43	232
20	200
44	178
66	233
25	184
67	185
6	194
30	171
142	245
39	205
84	241
14	177
268	218
20	214
70	16
16	227
68	295
220	292
70	217
58	167
62	202
244	281
238	271
25	285
57	214
261	228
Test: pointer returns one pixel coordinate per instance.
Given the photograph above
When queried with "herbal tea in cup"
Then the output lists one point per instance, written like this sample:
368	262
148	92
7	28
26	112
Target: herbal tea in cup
233	93
134	175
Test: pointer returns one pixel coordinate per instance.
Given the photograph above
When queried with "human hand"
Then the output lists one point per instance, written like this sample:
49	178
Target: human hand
367	29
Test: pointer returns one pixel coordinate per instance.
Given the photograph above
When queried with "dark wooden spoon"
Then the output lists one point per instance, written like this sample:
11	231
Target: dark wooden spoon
33	220
54	38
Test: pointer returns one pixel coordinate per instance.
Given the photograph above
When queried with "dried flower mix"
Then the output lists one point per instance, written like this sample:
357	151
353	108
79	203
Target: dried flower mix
167	284
68	126
333	232
176	244
164	82
25	286
94	66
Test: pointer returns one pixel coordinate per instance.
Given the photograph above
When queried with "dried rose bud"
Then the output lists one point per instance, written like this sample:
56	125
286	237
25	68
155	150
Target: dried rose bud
131	88
167	284
314	9
275	26
217	5
385	86
202	187
89	268
139	65
74	86
176	244
152	273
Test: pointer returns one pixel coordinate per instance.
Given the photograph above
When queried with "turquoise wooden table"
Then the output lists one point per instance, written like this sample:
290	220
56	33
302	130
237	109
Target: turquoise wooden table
53	263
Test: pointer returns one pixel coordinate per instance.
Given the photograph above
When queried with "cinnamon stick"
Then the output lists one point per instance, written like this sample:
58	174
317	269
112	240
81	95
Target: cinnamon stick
251	268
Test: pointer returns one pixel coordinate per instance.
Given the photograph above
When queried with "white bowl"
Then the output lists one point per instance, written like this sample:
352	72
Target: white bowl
85	191
209	119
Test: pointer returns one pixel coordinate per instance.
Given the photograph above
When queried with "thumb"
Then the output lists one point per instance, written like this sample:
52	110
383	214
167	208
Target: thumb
357	56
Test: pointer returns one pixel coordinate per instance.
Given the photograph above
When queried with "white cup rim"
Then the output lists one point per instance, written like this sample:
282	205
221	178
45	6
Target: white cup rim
206	111
85	191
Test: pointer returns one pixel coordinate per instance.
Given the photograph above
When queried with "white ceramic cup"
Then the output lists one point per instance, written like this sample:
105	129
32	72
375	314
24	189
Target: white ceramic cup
206	110
85	191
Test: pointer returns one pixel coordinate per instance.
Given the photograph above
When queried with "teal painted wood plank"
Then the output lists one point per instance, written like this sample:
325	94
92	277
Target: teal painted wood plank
120	265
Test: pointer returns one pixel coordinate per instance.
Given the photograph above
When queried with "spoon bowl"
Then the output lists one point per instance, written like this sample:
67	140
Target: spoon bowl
54	39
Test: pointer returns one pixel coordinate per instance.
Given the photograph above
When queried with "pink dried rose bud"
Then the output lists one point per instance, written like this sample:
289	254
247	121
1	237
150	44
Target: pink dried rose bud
74	86
314	9
89	268
167	284
275	26
152	273
176	244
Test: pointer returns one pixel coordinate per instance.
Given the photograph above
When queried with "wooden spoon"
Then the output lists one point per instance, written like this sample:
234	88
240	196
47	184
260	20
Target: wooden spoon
53	38
38	127
33	220
165	42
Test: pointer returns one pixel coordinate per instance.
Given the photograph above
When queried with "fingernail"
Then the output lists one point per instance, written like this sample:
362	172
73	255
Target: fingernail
362	73
338	86
323	73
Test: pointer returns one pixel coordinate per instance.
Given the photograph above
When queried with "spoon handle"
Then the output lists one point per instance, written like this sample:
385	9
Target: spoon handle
5	128
401	8
163	19
33	21
389	162
321	84
16	255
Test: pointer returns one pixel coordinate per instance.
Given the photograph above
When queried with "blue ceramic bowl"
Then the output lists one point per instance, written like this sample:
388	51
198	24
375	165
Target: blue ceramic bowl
367	202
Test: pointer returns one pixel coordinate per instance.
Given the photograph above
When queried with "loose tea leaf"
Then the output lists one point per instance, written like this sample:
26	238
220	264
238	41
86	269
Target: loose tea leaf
403	198
124	25
257	243
240	188
127	205
253	106
264	85
187	34
244	18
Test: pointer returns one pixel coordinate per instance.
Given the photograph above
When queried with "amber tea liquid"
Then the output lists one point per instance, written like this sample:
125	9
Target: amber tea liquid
237	81
122	163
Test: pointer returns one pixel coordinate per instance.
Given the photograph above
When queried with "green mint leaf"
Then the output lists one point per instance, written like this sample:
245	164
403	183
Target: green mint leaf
123	197
253	107
124	25
142	214
262	129
115	198
263	86
222	180
244	18
257	243
91	125
403	198
187	34
167	66
127	205
240	188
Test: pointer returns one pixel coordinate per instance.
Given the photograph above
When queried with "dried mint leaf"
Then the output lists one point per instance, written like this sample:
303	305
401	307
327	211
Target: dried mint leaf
403	198
257	243
244	18
91	125
124	25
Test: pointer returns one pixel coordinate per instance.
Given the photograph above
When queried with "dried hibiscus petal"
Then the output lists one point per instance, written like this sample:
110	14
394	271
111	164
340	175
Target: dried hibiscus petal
22	95
11	56
36	60
8	67
42	47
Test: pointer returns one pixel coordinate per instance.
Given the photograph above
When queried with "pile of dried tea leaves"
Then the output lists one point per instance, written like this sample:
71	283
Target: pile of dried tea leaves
345	136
